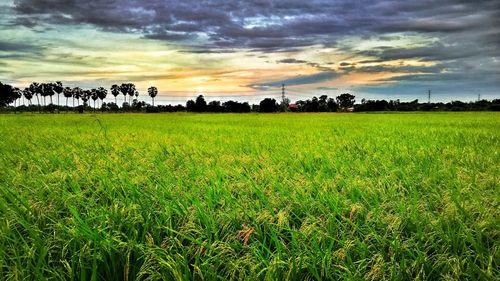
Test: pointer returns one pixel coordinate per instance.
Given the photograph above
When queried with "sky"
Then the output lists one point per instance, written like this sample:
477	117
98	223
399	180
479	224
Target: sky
245	50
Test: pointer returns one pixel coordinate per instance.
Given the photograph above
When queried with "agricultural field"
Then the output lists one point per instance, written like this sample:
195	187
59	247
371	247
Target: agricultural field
250	196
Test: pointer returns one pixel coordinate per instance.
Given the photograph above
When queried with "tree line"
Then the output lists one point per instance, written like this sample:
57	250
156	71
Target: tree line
77	99
41	91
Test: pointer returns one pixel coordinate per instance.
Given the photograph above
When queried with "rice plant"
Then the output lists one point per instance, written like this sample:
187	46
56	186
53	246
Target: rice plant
250	196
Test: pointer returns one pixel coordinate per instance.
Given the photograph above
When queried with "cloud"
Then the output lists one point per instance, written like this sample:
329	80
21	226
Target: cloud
436	51
327	88
292	61
346	64
18	47
205	50
264	25
401	68
298	80
170	36
316	65
17	50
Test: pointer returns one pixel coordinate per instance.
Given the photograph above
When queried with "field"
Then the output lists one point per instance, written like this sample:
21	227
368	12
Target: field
250	196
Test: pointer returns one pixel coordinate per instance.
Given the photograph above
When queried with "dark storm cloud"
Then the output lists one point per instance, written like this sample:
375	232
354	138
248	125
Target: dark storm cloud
268	25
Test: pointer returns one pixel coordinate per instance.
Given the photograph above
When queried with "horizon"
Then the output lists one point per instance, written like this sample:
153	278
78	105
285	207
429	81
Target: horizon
244	51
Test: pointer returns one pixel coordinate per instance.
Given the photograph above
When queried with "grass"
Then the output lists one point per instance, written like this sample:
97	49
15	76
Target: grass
250	196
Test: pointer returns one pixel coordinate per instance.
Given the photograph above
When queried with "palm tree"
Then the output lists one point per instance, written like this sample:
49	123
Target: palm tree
77	94
132	91
68	93
115	91
42	93
127	89
94	96
47	91
17	94
101	94
85	96
124	88
152	92
22	95
28	94
58	88
35	89
51	92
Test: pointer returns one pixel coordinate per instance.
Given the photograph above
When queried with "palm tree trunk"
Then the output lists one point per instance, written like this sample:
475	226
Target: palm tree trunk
66	101
73	101
116	101
51	100
38	101
57	99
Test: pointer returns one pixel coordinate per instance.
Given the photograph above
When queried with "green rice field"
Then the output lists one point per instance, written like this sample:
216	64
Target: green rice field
250	196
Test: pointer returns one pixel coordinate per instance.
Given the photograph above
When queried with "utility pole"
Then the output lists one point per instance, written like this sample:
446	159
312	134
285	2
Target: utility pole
429	97
283	93
478	97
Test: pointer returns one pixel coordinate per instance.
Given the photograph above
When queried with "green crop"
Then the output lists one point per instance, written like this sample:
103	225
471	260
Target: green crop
250	196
